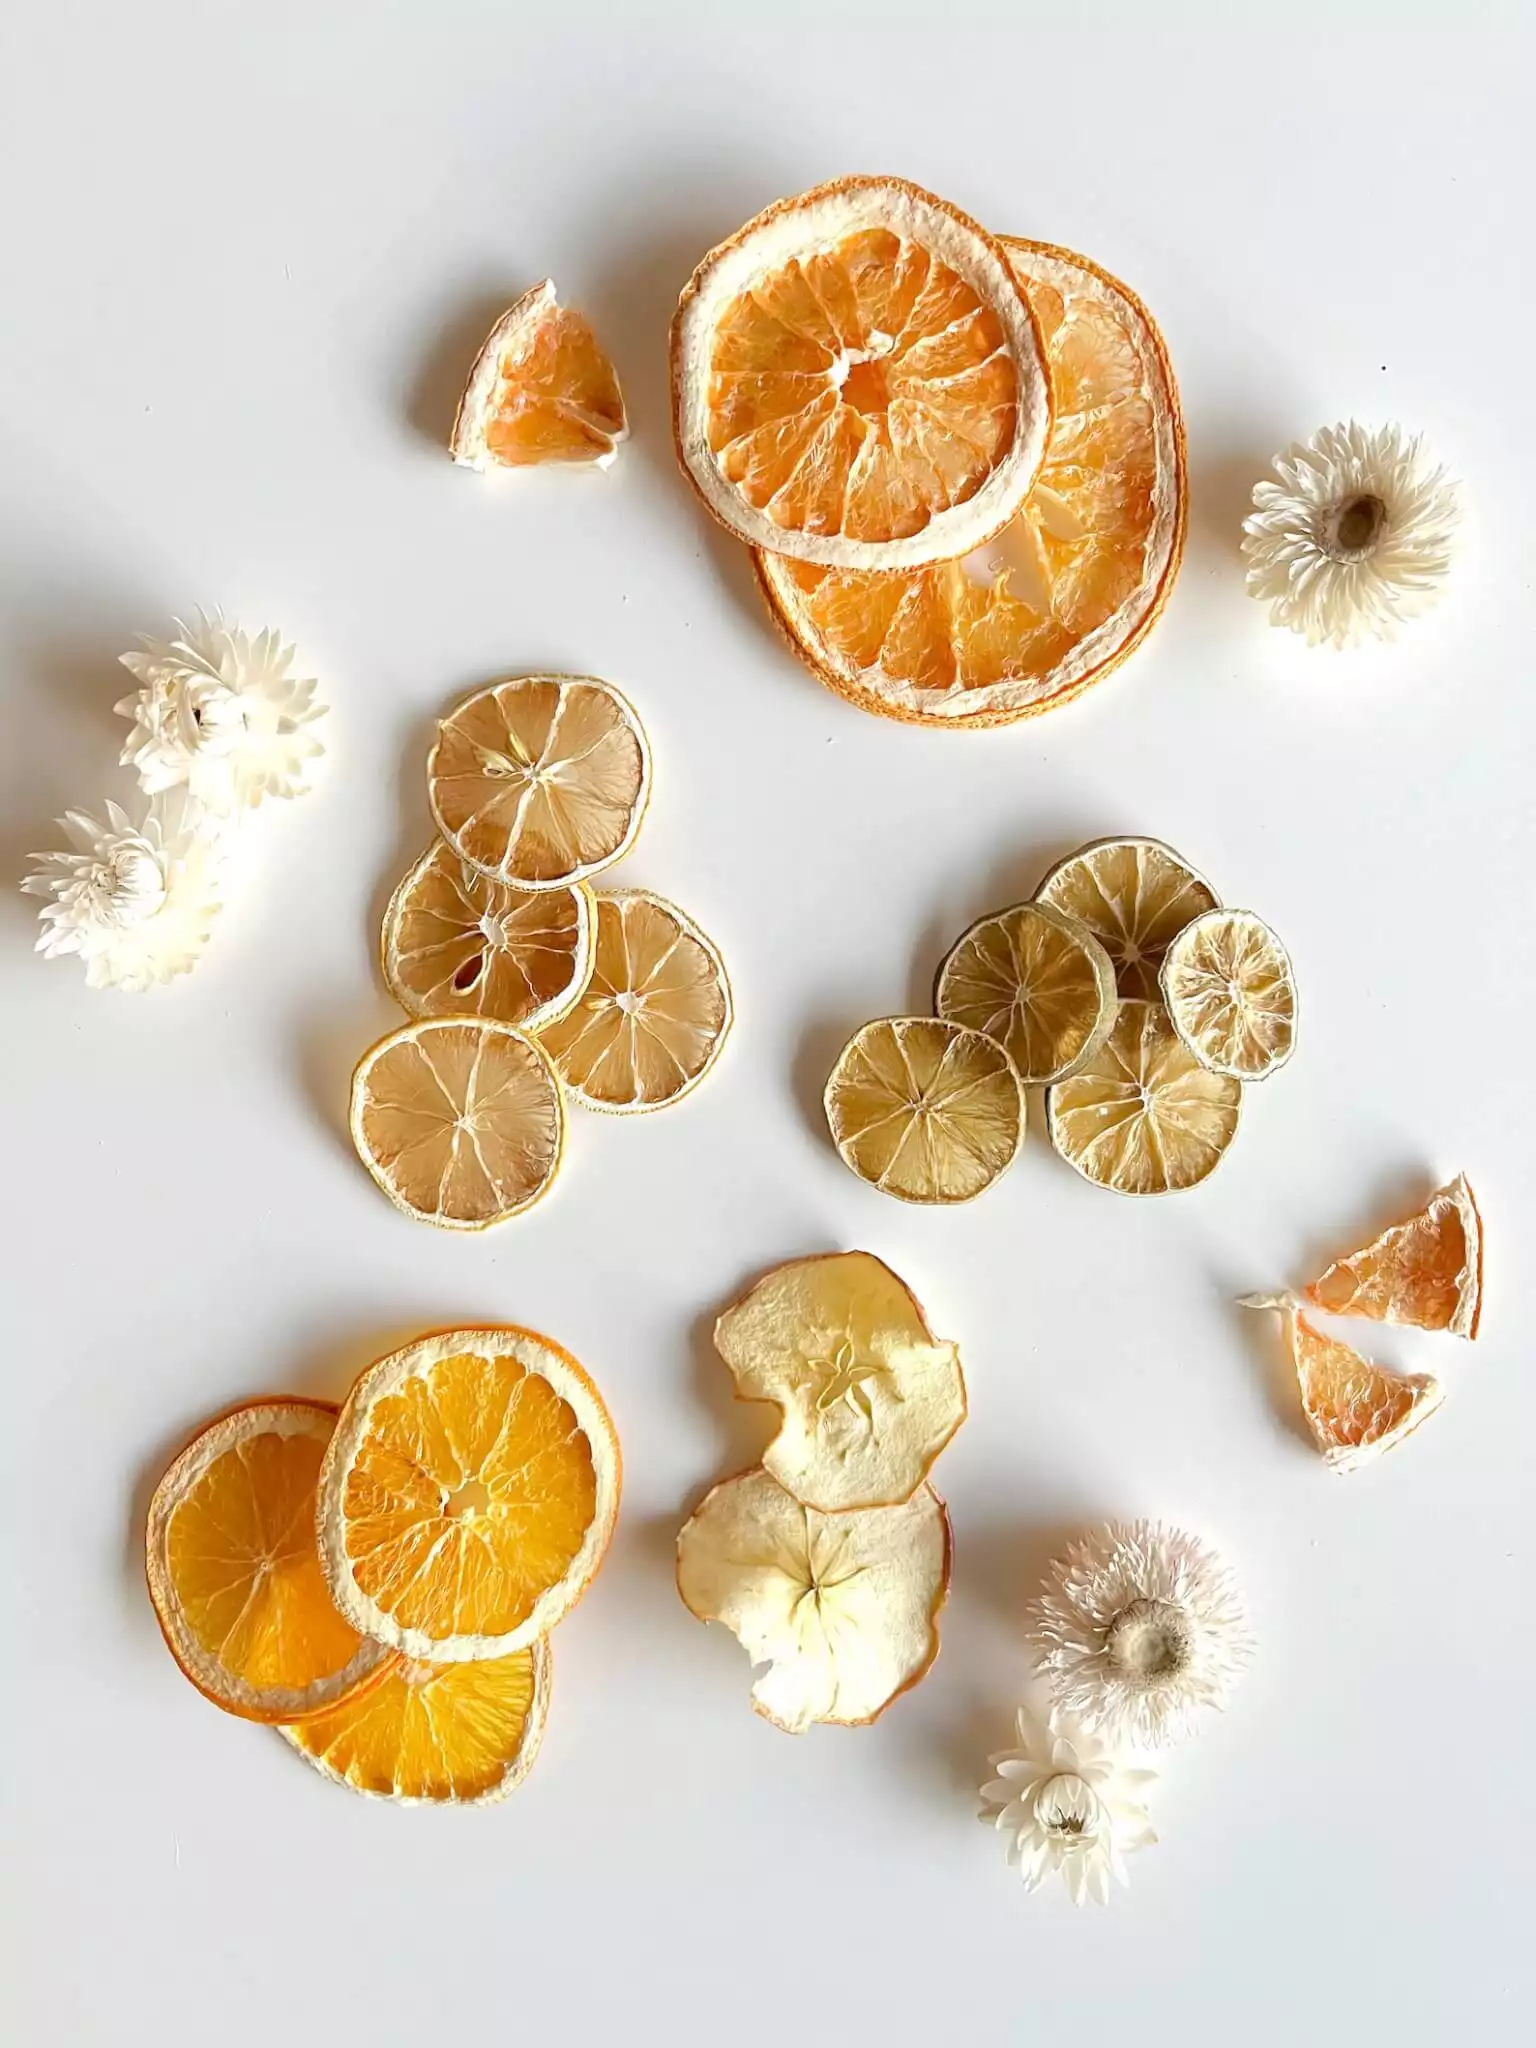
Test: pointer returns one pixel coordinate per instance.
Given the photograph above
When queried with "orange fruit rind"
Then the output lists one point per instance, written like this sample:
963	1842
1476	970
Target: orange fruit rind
1426	1272
925	1110
1356	1409
541	391
1230	991
1038	982
1135	896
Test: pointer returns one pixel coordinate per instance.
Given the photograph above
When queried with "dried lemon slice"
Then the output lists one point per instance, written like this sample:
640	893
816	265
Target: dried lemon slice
841	1608
868	1395
1145	1118
1038	982
459	1120
1135	896
1356	1409
457	944
925	1110
540	781
541	390
1230	992
652	1019
1427	1272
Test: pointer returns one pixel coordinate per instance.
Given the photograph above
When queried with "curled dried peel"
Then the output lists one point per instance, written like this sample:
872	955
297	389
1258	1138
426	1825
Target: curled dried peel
1038	982
1355	1408
868	1396
1228	986
1426	1272
1135	896
1144	1117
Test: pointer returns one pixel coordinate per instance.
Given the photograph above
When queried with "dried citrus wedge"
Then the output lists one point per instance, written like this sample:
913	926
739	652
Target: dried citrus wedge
457	944
867	1394
459	1120
925	1110
540	781
541	390
652	1019
1038	982
1144	1117
1427	1271
1228	986
468	1494
843	1609
440	1734
1356	1409
1065	591
234	1569
1135	896
857	379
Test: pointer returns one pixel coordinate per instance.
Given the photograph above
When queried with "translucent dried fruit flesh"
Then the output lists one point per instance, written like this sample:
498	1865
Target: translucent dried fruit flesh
468	1495
1135	896
1427	1271
459	1120
458	1734
1038	982
540	781
841	1608
1228	985
655	1013
541	390
1356	1409
925	1110
1144	1117
234	1567
867	1394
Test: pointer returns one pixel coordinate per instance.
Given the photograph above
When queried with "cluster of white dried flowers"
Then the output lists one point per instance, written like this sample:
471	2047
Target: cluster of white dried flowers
219	722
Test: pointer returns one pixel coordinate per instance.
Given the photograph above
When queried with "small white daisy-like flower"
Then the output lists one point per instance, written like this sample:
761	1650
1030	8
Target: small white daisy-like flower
1139	1627
135	901
1067	1803
220	713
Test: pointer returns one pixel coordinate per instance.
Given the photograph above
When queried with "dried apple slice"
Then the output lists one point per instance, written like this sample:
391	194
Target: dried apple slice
1356	1408
1426	1272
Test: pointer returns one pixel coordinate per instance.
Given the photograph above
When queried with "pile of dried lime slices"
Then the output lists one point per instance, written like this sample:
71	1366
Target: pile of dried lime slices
1124	989
525	985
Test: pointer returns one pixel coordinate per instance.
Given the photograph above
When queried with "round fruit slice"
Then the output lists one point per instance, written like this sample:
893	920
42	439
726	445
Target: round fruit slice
858	380
1356	1409
1038	982
1135	896
653	1017
1145	1118
867	1394
459	1120
540	781
459	945
1067	590
439	1734
468	1494
1228	985
1426	1272
234	1569
843	1609
925	1110
541	390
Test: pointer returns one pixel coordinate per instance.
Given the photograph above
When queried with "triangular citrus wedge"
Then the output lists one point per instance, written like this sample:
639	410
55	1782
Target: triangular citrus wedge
1426	1271
1356	1409
541	390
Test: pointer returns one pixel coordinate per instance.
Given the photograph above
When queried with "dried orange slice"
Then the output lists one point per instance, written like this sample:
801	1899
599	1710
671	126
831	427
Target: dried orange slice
867	1394
454	1734
1144	1117
541	390
1135	896
925	1110
459	1120
654	1015
234	1569
459	945
1356	1409
1427	1271
1228	986
843	1609
857	379
540	781
468	1494
1077	580
1038	982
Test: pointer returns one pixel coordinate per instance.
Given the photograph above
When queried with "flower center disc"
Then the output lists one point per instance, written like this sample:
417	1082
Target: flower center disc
1354	527
1150	1639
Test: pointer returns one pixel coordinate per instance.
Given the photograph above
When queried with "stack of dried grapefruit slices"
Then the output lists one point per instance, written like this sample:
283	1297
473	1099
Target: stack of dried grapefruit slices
957	457
380	1581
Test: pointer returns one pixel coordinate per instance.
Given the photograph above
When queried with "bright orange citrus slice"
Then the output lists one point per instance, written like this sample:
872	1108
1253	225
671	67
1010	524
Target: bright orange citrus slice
1135	896
1144	1117
1356	1409
925	1110
541	390
1427	1271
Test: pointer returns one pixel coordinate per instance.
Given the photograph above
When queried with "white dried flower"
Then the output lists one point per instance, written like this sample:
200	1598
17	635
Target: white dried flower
135	901
1355	537
1067	1803
220	713
1139	1627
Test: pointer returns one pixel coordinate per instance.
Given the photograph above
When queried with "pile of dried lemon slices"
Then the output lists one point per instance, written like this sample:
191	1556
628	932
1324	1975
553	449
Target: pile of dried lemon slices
524	984
1124	989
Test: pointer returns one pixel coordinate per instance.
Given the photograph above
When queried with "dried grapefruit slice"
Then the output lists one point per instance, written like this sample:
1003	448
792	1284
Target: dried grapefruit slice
925	1110
439	1734
857	379
1144	1117
234	1569
541	390
867	1394
1356	1409
468	1494
1038	982
1230	992
843	1609
1135	896
1427	1271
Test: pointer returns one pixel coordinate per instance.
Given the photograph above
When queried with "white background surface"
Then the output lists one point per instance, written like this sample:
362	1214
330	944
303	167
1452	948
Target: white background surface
248	255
